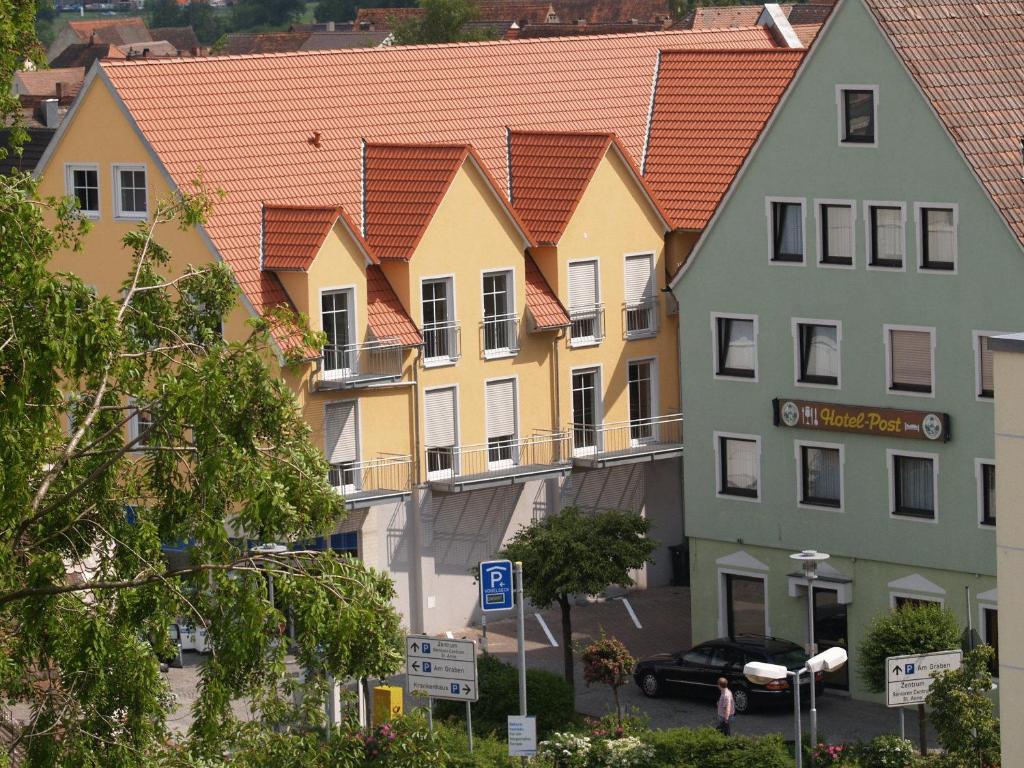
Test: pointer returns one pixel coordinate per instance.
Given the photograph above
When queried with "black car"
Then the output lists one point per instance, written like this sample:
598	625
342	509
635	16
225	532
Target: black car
695	672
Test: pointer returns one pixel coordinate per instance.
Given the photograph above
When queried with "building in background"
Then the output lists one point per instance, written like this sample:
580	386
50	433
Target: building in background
834	327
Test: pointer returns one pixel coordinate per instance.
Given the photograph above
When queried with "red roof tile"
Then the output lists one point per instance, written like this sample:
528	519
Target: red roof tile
292	235
385	314
116	31
612	10
247	121
385	18
709	109
571	30
43	82
967	57
544	306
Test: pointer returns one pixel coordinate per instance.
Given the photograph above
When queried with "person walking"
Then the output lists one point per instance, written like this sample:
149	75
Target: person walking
726	707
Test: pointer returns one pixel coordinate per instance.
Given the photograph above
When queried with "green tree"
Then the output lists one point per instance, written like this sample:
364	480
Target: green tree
129	422
18	43
571	553
335	10
914	628
608	662
963	712
443	21
206	22
265	14
164	13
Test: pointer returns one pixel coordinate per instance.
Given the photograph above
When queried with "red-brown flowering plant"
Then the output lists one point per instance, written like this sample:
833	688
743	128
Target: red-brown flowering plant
608	661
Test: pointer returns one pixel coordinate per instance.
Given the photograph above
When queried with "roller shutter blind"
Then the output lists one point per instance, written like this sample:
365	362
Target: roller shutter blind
583	284
911	353
639	278
439	418
340	430
501	408
985	363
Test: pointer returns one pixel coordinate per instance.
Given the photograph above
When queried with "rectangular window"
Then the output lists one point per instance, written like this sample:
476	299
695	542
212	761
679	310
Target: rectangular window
913	481
987	492
735	347
440	434
142	427
641	317
83	183
438	316
818	353
585	393
787	232
938	238
837	234
902	601
887	239
499	317
986	379
584	304
641	400
346	543
739	466
990	624
821	476
858	108
745	612
342	444
500	405
337	321
130	191
910	360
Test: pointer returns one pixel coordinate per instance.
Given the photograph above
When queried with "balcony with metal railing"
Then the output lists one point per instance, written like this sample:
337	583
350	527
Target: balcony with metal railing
442	343
587	325
640	319
358	365
627	442
364	483
499	336
504	461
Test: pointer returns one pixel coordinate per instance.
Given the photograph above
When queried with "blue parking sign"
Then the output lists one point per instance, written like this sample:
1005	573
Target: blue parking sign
496	589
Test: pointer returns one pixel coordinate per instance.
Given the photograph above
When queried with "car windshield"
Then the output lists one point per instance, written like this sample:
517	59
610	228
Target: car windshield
790	658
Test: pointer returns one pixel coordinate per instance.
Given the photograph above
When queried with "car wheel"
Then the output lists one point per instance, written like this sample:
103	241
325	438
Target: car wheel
649	685
741	699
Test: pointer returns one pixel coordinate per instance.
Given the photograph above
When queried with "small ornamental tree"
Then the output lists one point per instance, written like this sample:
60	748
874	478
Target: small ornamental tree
963	712
571	553
607	661
914	628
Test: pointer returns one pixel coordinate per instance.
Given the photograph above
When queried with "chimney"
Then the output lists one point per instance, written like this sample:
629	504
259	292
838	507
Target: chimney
145	53
194	51
92	38
330	26
51	116
512	32
60	90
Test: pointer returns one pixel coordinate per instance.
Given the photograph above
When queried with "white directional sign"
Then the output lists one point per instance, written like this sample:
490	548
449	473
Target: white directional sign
440	668
909	678
522	736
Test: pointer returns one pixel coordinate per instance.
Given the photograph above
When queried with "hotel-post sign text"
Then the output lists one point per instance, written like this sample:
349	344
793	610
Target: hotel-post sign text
862	419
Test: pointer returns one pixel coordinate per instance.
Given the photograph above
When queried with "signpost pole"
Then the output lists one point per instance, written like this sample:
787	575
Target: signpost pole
521	631
799	745
469	724
430	714
903	723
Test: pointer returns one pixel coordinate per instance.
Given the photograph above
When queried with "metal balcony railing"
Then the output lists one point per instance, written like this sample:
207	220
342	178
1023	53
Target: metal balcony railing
640	319
442	342
359	364
388	475
499	335
501	460
628	439
587	324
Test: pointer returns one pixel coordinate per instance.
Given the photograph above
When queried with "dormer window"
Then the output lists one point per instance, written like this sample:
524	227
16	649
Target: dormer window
858	110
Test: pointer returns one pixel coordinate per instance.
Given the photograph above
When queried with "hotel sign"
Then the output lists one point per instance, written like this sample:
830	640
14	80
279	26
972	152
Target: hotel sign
862	419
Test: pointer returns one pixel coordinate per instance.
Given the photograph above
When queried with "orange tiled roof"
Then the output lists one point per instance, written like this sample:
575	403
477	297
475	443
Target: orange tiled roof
544	306
967	58
250	119
293	234
521	12
599	28
385	314
709	109
382	18
612	10
43	82
116	31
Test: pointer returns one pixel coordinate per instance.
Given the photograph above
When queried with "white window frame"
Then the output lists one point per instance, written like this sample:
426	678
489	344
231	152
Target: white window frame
514	461
717	475
586	341
358	412
598	368
655	306
820	250
69	186
443	474
501	353
841	113
133	427
919	236
723	608
869	235
119	214
976	337
919	596
768	205
796	322
655	395
715	317
350	289
979	483
886	329
890	460
440	362
987	605
798	445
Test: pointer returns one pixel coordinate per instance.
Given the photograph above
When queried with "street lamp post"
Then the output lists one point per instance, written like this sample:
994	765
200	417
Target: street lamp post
269	549
810	559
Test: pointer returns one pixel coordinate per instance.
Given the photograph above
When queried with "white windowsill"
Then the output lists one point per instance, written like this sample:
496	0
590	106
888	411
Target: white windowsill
439	362
499	354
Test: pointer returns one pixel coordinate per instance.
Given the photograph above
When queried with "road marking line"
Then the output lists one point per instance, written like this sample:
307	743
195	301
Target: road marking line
450	635
544	626
631	612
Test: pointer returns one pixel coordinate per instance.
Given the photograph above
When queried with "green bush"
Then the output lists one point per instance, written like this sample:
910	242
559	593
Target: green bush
488	751
887	752
549	697
707	748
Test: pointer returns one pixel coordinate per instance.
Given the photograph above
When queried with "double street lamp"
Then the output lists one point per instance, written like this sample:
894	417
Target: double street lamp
762	673
810	559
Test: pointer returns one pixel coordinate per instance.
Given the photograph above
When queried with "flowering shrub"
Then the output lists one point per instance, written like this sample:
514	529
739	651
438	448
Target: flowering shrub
600	750
566	750
607	661
611	727
888	752
832	754
627	752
